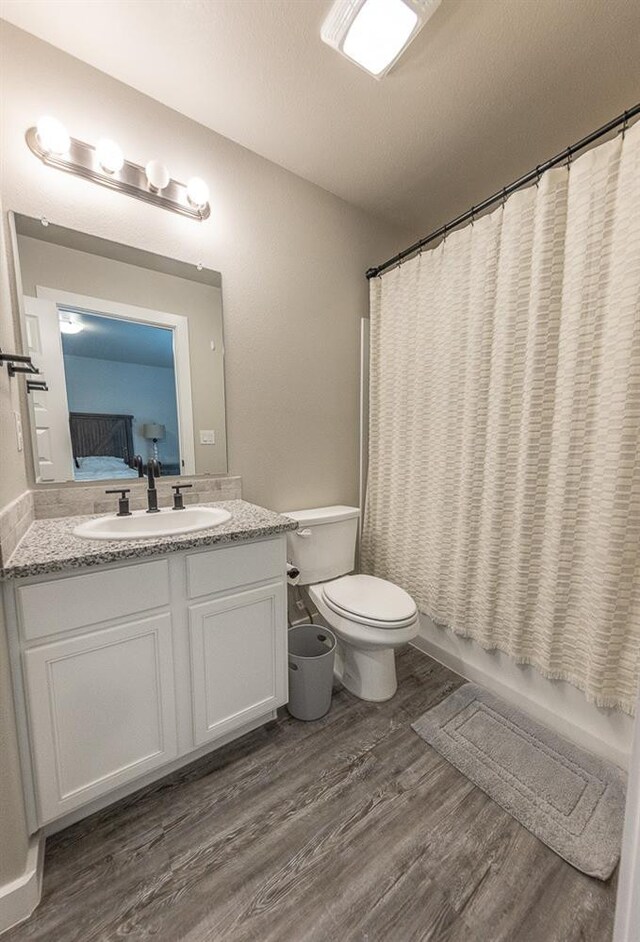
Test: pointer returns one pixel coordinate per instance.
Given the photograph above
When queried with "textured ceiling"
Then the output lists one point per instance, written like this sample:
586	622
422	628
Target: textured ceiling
109	338
488	89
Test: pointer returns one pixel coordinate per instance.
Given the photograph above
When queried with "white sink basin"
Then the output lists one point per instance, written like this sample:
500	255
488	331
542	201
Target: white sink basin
144	526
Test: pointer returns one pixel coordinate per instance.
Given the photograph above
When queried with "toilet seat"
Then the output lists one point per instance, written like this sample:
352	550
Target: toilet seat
368	600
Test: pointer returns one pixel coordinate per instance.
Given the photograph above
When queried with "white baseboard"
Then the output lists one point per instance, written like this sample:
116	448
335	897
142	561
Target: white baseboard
19	898
627	927
562	707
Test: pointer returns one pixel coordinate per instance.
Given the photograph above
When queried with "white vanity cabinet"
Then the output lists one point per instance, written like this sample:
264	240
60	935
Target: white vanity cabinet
238	660
122	673
101	711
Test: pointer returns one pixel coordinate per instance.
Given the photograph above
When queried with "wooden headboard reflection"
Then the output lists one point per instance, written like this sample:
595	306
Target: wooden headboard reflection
95	433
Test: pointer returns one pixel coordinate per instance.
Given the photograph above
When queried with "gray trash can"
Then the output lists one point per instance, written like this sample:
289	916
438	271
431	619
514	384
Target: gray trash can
312	650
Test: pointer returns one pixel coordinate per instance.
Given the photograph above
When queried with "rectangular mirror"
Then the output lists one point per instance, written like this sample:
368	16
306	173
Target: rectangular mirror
130	350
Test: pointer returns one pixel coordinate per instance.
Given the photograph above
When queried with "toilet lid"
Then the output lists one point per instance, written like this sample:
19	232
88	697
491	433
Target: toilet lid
370	600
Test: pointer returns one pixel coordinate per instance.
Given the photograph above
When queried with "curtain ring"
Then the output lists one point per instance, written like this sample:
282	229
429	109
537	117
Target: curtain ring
538	176
504	196
625	124
444	233
569	158
473	215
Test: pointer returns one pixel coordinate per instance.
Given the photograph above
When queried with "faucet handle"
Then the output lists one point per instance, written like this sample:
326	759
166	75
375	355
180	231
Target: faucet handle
123	503
178	499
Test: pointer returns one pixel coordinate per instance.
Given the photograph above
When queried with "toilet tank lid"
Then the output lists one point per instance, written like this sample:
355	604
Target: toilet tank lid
323	514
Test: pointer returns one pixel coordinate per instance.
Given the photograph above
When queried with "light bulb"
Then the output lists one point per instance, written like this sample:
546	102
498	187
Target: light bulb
52	136
197	193
157	175
109	155
68	325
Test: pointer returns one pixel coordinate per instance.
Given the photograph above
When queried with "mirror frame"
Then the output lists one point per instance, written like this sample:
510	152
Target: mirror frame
115	251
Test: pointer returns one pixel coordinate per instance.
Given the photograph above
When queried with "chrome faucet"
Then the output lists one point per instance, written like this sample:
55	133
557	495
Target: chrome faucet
153	470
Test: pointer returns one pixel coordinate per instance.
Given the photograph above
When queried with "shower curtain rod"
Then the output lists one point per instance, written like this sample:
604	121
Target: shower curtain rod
565	155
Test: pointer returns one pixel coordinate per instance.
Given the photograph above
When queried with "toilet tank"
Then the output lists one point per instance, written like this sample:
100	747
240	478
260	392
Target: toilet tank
324	545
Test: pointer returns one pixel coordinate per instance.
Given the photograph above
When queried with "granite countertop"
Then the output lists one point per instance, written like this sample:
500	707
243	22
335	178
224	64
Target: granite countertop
50	546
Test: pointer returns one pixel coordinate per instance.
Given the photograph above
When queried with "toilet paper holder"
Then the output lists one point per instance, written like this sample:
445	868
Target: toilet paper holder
293	574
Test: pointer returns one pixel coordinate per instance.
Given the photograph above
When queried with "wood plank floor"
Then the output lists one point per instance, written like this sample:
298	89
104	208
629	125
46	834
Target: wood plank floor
350	828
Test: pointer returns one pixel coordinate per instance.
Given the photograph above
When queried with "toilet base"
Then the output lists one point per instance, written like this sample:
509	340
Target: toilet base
368	673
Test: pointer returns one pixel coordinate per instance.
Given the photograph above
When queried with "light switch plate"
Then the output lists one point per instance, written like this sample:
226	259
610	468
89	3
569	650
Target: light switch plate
207	437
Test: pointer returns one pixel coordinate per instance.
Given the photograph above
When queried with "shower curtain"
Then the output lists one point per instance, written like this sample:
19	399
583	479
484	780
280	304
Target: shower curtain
504	439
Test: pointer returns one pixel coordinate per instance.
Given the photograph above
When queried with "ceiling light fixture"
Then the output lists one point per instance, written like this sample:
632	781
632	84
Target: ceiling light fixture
68	325
375	33
106	164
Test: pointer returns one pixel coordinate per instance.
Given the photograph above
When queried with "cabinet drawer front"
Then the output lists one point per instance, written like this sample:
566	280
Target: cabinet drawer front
101	711
48	608
233	566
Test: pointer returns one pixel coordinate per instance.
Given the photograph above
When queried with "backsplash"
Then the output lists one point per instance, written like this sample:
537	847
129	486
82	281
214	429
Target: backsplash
77	500
48	502
15	520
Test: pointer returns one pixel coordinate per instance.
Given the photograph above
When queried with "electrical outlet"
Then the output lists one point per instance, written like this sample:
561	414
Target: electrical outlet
19	437
207	437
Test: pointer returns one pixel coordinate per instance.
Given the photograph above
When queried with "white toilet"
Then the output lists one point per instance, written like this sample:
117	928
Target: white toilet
370	617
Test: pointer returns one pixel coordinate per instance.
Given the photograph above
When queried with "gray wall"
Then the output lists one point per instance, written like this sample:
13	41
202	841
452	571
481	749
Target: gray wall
13	831
13	479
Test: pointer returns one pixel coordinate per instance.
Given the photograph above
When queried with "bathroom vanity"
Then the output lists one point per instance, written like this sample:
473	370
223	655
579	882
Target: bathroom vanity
134	649
132	657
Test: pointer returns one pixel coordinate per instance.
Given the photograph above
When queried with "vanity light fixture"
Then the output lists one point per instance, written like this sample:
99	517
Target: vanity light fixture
109	155
158	176
197	192
375	33
105	164
52	136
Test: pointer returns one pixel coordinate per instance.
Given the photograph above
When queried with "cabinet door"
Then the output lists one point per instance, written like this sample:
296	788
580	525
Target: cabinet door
101	710
238	659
